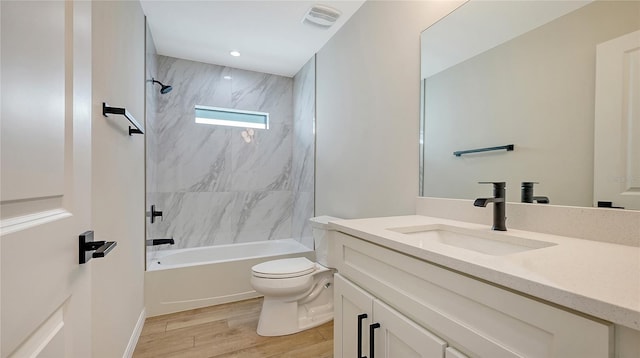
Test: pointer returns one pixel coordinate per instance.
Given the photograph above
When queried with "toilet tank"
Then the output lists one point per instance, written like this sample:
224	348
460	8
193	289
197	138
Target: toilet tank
321	238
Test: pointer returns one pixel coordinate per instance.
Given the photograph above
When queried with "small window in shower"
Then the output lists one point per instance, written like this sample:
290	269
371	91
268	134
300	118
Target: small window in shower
231	117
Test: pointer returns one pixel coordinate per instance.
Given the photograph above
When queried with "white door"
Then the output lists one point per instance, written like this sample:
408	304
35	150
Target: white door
398	336
617	122
352	308
45	178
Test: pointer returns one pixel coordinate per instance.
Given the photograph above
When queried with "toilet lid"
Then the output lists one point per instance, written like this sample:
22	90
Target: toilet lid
285	268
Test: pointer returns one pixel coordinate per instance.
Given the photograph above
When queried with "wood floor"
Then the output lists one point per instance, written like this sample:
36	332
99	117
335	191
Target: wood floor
227	331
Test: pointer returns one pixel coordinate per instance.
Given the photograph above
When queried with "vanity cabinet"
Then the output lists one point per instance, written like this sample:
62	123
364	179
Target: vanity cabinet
360	319
425	310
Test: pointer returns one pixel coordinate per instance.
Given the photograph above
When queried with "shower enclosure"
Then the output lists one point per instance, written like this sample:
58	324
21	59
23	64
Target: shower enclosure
217	184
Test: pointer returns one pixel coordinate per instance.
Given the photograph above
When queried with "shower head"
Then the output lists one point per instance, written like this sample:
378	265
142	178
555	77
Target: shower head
165	88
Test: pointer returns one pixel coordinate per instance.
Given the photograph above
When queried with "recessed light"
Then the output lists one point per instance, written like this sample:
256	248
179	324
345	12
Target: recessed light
234	53
227	77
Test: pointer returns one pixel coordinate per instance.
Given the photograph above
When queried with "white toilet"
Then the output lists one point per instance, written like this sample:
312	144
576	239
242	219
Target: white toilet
298	293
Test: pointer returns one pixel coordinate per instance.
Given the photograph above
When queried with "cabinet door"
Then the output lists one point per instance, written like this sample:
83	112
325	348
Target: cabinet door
350	304
398	336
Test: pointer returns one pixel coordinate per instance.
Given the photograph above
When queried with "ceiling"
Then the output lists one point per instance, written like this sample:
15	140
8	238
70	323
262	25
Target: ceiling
269	35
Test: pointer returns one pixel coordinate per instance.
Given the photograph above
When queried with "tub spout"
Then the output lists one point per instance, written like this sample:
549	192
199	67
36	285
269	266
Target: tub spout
155	242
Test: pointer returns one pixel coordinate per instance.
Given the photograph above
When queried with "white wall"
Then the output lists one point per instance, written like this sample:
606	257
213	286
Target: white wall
368	88
118	174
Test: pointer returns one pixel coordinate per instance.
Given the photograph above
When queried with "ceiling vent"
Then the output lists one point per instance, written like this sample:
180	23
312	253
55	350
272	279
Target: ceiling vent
321	16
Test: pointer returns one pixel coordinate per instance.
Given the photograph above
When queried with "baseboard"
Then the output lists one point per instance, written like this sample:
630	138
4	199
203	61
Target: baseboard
135	335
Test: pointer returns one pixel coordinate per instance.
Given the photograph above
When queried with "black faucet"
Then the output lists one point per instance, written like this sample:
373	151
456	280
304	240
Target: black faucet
499	201
527	194
155	242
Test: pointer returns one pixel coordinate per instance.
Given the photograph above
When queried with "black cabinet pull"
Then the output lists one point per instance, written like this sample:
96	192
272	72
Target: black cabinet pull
361	317
372	329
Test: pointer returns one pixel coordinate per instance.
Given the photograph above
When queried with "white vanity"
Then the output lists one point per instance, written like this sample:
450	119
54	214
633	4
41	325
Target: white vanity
563	281
431	287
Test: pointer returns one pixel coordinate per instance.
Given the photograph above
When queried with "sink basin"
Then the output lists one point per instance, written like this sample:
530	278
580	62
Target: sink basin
489	243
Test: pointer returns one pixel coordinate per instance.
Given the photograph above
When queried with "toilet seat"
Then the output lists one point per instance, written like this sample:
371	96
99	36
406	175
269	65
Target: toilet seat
284	268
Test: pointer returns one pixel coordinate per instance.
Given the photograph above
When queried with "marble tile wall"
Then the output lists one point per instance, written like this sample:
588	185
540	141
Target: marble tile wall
212	186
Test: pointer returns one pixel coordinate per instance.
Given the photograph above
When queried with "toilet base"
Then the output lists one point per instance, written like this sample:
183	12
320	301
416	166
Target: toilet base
282	316
279	318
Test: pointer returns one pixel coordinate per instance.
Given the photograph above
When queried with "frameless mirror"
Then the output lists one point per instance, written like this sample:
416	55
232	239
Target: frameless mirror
558	80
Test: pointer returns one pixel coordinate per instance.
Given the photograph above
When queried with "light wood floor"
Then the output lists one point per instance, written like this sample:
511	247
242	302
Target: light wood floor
227	330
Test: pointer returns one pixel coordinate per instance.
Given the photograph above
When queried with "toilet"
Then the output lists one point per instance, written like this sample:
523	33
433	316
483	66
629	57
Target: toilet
298	293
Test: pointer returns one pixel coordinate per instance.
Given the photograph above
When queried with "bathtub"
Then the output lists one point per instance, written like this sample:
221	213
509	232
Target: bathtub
183	279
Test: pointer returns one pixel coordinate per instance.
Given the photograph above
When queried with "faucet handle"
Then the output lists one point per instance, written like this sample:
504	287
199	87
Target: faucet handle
526	195
154	213
496	184
498	188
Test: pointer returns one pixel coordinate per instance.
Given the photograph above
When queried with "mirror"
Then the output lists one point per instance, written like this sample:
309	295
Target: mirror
524	73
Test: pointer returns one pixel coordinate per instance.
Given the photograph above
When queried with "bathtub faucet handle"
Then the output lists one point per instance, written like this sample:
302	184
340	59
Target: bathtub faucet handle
154	214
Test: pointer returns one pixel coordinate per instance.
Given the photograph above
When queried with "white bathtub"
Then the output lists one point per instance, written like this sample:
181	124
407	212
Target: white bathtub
183	279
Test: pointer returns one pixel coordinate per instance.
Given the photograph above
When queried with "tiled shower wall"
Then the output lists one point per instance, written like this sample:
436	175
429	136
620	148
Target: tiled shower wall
212	186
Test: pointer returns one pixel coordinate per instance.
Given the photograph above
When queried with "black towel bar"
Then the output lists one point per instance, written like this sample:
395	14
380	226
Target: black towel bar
508	147
106	110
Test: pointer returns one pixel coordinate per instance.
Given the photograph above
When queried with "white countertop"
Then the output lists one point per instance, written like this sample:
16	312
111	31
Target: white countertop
597	278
